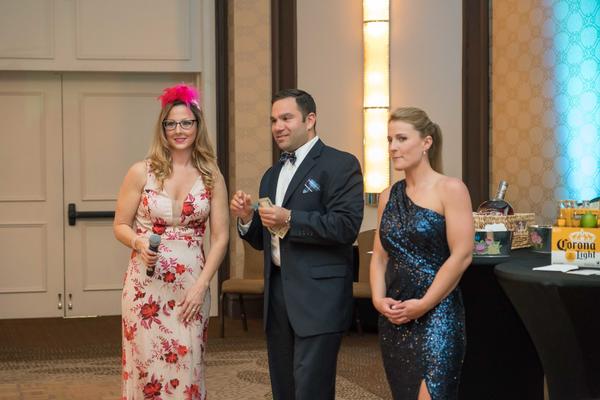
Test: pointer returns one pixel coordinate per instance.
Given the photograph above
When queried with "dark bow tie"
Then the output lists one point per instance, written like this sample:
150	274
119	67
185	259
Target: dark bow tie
287	156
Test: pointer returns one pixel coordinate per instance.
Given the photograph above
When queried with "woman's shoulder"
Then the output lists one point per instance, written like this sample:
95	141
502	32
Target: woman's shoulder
450	188
215	172
138	172
139	168
450	183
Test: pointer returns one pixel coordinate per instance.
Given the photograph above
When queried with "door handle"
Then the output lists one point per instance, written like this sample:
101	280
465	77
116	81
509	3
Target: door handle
74	214
60	301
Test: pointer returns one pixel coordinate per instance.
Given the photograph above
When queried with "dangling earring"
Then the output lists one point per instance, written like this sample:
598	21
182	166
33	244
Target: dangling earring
424	152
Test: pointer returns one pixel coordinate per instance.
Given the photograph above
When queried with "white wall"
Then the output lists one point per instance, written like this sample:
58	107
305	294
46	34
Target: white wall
330	68
426	67
425	62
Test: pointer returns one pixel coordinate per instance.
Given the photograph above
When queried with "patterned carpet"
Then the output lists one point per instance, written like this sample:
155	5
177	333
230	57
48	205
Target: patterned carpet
79	359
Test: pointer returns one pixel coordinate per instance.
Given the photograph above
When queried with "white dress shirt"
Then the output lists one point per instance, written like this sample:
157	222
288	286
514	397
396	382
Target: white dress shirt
285	177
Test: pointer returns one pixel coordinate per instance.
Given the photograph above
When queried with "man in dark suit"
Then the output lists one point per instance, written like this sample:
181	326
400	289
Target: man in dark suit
317	194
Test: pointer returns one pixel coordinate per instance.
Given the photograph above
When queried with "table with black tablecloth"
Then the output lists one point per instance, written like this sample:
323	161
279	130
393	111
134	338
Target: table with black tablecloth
501	362
562	315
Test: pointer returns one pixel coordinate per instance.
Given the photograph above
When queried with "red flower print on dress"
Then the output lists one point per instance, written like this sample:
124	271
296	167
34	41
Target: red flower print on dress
171	304
149	313
130	331
180	269
159	226
174	383
169	277
191	392
152	389
188	206
139	294
206	195
199	228
171	358
145	200
182	350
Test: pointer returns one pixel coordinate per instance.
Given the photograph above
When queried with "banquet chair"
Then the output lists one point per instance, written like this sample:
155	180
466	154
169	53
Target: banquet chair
252	283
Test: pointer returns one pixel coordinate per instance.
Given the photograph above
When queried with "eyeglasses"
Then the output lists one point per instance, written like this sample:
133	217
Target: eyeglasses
171	125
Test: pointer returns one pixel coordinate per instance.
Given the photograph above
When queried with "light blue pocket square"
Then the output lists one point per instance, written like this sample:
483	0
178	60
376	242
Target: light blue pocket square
311	186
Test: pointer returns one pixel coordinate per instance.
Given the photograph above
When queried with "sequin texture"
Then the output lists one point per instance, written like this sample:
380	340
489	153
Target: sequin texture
431	348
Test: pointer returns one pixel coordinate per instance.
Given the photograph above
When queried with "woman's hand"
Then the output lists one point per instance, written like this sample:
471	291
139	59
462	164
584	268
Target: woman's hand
409	310
390	309
192	302
142	246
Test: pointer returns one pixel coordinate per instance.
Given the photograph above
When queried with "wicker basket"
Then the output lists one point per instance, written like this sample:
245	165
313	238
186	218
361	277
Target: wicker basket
517	223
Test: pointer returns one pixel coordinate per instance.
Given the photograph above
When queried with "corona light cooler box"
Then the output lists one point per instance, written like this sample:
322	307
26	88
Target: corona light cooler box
576	246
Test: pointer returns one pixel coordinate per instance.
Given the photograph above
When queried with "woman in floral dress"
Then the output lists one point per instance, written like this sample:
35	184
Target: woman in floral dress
173	193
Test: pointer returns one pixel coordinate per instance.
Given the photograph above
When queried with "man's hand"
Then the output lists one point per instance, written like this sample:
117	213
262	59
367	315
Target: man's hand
273	216
241	206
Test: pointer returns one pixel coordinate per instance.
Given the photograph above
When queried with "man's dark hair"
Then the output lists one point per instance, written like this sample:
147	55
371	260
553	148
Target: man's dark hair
305	102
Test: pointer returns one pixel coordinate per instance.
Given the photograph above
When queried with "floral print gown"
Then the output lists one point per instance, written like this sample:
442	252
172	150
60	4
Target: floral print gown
163	357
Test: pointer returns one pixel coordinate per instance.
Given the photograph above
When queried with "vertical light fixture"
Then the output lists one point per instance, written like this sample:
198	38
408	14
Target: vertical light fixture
376	100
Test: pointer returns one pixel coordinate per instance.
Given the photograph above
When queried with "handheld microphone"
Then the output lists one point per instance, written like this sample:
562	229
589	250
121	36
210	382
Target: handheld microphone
154	243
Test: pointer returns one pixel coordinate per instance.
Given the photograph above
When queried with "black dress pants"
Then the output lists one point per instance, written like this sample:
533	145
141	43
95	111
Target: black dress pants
301	368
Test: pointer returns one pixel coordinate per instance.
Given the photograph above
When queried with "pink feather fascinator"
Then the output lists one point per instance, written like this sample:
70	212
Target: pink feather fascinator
184	93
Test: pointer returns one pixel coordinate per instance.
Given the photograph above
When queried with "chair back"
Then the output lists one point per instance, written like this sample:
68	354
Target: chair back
253	262
365	245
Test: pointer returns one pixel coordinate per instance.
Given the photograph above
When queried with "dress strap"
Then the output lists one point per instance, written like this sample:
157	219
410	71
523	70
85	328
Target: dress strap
398	191
399	198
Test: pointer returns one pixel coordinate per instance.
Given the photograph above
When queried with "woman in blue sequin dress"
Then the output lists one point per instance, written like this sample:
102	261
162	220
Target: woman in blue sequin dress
423	246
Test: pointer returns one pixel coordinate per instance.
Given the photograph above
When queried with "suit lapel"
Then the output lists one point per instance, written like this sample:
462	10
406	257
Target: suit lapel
307	164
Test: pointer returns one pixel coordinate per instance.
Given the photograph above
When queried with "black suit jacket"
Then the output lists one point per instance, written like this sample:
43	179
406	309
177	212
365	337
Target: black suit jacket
325	196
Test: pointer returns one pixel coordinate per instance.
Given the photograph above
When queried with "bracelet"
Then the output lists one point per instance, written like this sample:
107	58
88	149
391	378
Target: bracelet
133	242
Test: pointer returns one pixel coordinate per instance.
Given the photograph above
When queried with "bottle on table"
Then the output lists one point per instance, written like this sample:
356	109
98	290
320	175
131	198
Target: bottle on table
497	205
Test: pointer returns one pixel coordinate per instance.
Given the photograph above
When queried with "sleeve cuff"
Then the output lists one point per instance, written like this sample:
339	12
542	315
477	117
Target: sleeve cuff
243	228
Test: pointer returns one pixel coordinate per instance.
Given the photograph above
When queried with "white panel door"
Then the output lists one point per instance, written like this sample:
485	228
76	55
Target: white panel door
109	120
31	216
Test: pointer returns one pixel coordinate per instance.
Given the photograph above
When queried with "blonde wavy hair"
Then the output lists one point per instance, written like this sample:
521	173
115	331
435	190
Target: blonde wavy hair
426	127
203	155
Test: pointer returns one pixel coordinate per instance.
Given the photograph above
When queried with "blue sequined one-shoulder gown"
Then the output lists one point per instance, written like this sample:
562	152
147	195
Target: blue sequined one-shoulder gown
431	348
